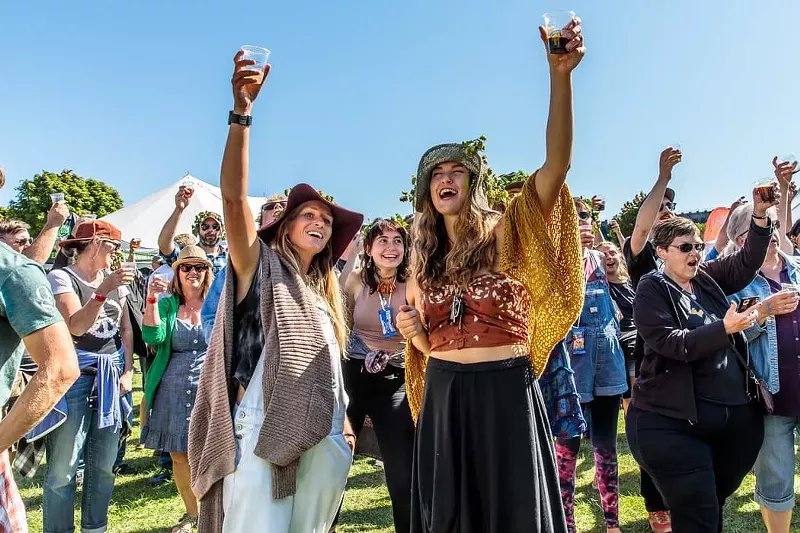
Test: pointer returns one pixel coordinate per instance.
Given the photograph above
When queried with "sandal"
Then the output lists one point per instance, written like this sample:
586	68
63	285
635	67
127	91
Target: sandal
186	525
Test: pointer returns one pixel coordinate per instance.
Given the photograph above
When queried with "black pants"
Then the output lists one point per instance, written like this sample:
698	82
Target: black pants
602	415
653	501
383	397
696	467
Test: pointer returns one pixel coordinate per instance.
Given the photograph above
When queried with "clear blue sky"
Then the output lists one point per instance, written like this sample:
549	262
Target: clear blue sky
137	93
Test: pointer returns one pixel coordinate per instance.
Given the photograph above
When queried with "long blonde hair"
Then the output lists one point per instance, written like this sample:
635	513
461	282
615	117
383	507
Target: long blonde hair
320	278
474	249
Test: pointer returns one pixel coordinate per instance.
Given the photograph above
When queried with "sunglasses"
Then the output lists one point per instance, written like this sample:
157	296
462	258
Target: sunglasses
688	247
198	268
670	206
115	244
272	205
584	215
22	242
206	227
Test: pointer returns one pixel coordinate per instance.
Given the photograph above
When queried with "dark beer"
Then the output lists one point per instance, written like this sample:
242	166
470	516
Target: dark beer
767	193
556	43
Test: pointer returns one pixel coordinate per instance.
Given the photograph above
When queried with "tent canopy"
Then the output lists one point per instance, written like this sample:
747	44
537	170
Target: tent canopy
145	218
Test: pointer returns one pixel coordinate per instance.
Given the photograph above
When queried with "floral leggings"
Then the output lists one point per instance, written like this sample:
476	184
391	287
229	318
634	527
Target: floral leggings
602	415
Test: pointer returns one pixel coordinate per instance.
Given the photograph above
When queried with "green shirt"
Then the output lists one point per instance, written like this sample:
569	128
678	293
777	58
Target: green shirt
161	338
26	305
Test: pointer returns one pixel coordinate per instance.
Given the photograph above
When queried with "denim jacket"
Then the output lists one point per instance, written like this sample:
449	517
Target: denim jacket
763	340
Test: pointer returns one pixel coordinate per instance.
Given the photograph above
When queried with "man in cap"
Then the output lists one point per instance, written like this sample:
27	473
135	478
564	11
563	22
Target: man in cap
208	228
270	211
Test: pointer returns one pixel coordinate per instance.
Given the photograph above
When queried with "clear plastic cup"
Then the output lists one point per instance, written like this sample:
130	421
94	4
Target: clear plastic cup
790	287
57	197
259	55
554	24
675	146
766	189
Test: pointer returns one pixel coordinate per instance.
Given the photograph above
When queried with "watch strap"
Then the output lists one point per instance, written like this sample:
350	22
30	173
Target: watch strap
242	120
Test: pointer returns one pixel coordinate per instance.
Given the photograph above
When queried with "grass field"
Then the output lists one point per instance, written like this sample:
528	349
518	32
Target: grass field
136	507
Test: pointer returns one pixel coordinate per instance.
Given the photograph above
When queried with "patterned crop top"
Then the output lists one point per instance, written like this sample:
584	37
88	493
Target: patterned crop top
495	314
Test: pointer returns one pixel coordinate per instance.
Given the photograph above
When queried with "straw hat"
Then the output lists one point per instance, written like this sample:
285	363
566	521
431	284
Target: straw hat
191	254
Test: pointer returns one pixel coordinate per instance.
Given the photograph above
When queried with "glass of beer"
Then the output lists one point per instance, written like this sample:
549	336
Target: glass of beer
189	187
766	189
260	56
554	24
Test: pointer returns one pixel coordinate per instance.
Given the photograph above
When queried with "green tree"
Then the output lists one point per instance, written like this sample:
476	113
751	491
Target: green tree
627	215
82	196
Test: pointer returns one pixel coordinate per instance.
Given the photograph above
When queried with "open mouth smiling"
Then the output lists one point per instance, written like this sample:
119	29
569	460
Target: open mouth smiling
447	193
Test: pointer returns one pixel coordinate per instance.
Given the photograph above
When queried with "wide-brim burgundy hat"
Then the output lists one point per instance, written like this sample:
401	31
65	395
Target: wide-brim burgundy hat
346	223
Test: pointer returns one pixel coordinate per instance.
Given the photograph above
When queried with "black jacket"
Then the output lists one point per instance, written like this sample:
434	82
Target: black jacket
665	384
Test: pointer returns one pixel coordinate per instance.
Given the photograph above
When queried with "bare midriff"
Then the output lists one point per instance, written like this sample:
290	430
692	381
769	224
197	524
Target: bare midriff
482	355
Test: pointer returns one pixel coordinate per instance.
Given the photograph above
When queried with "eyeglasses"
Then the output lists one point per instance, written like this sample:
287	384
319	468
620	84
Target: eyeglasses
272	205
188	268
688	247
670	206
584	215
206	227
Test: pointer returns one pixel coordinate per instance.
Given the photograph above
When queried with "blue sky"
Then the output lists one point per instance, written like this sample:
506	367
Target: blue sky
137	93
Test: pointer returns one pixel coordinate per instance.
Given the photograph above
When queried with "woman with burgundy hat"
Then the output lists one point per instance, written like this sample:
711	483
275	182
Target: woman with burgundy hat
490	297
280	461
92	301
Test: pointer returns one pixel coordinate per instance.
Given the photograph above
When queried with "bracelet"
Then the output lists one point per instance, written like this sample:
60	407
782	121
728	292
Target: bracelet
760	218
152	300
99	298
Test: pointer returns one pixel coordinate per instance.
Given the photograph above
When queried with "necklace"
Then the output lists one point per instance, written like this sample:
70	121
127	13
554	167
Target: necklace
387	285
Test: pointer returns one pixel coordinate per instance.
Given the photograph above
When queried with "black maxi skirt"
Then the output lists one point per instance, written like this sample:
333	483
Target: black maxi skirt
483	455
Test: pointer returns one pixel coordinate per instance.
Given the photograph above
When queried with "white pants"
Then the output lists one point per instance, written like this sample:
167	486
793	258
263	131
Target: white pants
247	492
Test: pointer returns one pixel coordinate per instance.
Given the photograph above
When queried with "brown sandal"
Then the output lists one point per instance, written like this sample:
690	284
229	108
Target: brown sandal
186	525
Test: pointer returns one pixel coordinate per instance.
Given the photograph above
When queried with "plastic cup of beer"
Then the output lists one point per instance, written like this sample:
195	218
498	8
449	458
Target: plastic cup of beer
128	265
57	197
790	287
260	56
189	187
766	189
554	24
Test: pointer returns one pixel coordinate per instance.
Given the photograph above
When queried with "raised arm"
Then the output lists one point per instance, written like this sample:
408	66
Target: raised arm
243	244
722	239
650	208
614	225
736	271
165	239
783	173
551	177
40	249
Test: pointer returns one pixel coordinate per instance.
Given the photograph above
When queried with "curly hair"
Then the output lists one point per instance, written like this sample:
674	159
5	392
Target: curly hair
474	249
379	227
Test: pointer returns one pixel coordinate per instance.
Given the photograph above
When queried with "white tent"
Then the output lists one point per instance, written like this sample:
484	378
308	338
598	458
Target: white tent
145	218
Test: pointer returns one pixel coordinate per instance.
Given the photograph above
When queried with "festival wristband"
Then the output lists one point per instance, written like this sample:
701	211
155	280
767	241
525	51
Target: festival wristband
99	298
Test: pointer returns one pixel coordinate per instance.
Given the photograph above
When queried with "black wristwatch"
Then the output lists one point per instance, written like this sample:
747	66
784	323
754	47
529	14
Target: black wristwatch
242	120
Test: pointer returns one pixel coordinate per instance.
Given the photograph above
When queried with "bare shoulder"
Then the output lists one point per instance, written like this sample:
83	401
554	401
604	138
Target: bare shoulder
353	285
499	233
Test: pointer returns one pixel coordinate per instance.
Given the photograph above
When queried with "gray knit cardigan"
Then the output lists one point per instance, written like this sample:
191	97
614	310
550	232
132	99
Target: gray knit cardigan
298	397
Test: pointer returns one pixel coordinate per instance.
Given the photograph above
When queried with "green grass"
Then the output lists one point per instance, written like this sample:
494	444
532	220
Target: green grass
136	507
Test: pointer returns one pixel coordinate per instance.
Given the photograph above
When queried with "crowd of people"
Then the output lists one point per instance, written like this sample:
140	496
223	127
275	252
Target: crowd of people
484	342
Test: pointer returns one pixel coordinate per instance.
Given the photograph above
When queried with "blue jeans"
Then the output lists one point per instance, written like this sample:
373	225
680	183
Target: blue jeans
77	437
775	464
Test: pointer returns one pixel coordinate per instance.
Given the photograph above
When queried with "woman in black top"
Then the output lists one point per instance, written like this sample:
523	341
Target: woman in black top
693	424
